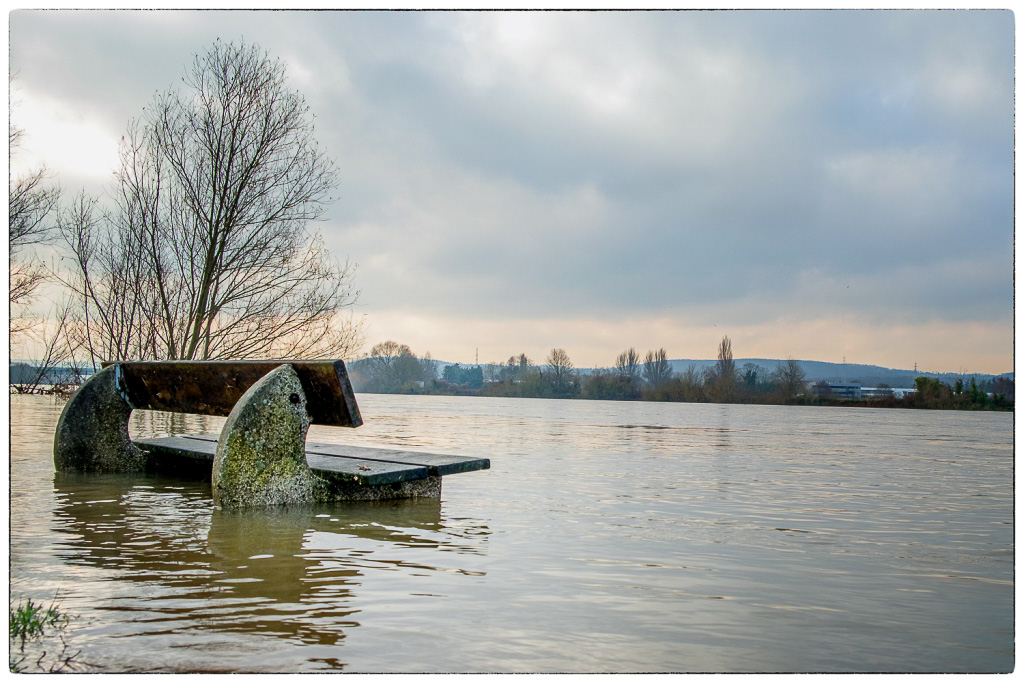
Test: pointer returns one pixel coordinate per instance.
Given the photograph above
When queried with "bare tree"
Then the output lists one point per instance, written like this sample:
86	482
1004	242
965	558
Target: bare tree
31	207
493	371
53	368
628	363
657	369
720	379
789	379
207	251
114	290
429	367
515	367
561	374
691	384
726	366
391	366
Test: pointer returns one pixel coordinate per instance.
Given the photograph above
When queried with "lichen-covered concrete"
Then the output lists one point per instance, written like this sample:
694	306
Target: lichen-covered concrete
92	432
260	458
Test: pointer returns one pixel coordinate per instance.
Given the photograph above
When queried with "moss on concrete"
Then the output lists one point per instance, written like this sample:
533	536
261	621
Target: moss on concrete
261	459
92	432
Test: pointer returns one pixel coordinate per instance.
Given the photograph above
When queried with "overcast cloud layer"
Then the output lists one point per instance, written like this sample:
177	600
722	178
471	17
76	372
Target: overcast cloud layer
814	184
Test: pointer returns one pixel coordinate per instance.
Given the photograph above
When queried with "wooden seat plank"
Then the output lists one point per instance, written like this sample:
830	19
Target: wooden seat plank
365	471
437	464
179	446
370	472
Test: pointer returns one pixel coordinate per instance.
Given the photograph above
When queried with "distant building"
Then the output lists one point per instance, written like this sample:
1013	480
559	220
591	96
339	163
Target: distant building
850	390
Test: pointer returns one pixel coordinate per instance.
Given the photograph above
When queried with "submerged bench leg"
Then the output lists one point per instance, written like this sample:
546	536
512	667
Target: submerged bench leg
92	432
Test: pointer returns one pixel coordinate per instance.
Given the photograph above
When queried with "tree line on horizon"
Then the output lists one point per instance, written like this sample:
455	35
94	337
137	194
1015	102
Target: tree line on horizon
391	367
936	394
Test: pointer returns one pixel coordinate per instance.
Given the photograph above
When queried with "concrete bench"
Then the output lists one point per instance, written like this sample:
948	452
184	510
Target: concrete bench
260	456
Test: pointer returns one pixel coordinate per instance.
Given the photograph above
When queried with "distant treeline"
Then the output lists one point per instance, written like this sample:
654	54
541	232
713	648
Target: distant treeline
391	367
932	393
45	377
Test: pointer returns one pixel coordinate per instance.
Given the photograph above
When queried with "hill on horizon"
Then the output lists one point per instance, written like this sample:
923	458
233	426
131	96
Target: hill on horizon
815	371
867	375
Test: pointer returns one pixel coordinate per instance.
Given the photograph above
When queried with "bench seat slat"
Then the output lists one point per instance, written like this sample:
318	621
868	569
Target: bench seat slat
365	471
370	472
437	464
179	446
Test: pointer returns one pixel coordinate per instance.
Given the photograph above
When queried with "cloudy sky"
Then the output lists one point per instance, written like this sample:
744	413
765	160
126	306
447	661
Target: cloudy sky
818	185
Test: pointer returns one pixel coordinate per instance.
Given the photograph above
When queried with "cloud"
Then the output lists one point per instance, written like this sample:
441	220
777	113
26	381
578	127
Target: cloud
739	168
78	147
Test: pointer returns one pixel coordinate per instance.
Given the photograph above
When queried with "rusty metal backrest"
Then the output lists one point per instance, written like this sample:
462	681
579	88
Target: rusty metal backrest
214	387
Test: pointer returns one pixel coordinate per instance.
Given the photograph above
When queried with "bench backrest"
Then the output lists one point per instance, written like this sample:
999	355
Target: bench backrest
214	387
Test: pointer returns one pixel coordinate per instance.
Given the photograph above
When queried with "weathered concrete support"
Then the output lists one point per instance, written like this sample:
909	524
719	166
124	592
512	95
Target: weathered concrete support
261	456
92	433
261	460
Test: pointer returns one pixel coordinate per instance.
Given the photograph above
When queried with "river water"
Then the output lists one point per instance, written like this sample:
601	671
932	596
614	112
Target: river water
606	537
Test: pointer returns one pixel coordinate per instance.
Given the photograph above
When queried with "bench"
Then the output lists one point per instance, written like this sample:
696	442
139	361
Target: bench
260	457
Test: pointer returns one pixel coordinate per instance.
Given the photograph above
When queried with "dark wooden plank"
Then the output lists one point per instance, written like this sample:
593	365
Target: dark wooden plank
437	464
179	447
214	387
369	472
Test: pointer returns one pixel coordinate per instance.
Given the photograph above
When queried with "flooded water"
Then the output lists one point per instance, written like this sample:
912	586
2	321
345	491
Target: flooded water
606	537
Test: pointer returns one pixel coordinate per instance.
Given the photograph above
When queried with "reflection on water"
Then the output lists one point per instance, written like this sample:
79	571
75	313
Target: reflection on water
288	572
150	424
150	559
606	537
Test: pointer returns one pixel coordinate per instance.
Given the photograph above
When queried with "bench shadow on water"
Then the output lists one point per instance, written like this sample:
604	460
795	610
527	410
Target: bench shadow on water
291	573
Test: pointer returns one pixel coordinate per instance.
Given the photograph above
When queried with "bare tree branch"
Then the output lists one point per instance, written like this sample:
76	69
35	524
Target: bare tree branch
31	206
628	363
207	251
657	369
